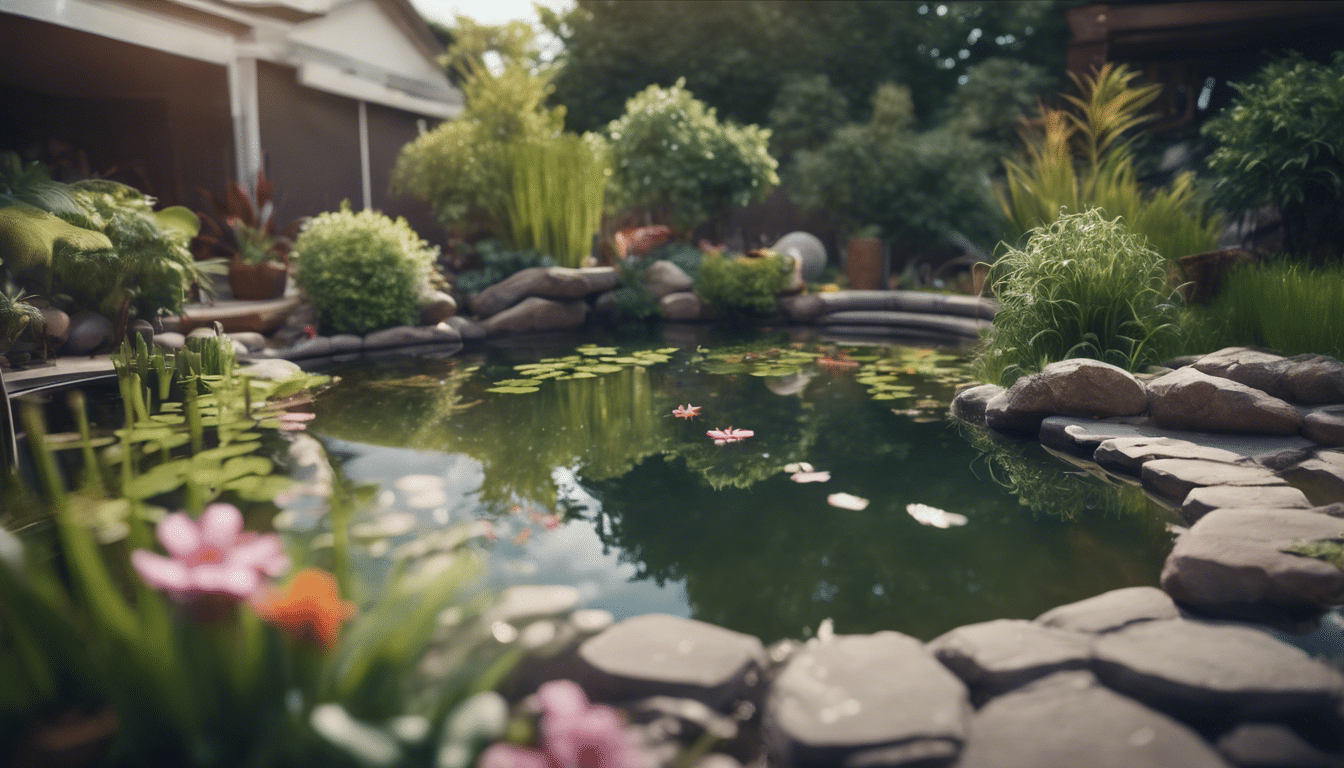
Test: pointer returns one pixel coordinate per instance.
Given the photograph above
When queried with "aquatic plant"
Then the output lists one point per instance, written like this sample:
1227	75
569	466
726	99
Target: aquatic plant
743	284
210	557
559	191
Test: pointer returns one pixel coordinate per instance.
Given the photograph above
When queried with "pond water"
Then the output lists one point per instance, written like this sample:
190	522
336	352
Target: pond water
583	476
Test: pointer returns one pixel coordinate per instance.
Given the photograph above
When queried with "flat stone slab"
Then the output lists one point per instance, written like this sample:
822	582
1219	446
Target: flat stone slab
961	326
1189	399
660	655
1211	675
1322	475
408	336
995	657
1325	425
256	316
1128	454
1265	745
1112	610
879	699
1069	721
1201	501
920	302
1174	478
1234	558
1082	436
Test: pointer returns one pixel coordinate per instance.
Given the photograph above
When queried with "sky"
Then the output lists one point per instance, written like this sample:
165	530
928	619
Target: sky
485	11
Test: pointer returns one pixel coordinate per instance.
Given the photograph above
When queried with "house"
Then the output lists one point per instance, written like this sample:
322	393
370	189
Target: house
174	96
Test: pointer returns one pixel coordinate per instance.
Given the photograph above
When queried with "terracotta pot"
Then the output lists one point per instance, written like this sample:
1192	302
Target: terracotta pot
864	264
257	282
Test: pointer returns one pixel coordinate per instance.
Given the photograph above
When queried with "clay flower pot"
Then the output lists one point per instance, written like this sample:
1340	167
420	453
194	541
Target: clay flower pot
257	282
865	264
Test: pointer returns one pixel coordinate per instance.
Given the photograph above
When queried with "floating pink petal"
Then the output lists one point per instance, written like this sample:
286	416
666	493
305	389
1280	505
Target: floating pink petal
847	501
729	435
296	416
686	411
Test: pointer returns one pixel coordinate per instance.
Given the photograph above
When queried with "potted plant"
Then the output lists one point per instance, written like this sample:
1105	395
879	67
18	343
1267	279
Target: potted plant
260	264
241	228
865	265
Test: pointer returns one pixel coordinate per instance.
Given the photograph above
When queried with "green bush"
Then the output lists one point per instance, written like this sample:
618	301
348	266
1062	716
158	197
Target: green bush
807	110
1283	305
1084	286
740	284
1281	143
997	95
498	261
363	271
669	149
559	188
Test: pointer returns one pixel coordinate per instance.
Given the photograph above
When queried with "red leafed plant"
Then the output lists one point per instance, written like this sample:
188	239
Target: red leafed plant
243	227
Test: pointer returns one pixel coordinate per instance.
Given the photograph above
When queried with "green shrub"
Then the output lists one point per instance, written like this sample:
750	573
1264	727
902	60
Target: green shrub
559	188
807	110
1285	306
1281	143
997	95
740	284
669	149
1084	286
363	271
679	252
498	261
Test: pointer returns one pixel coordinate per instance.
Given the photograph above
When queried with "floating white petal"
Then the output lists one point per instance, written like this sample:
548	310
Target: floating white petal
935	517
847	501
801	466
810	477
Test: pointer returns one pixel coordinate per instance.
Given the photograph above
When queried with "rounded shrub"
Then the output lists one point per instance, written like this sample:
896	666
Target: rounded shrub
363	271
1084	286
741	284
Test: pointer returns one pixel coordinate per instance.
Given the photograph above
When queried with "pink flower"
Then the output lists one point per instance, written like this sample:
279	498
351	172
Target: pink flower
574	734
210	556
729	435
686	411
293	422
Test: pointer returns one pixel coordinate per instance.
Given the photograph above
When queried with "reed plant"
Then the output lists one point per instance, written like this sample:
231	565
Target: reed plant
1286	306
559	191
1083	286
1079	158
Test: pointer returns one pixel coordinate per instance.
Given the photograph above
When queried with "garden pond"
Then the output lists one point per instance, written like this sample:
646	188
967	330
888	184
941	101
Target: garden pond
567	466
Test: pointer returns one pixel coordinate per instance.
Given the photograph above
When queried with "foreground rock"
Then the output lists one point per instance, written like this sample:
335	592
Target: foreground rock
534	315
406	336
659	655
1069	721
1112	610
1322	475
1214	676
543	282
663	278
1175	478
1201	501
683	307
1233	559
970	403
1129	454
1310	379
995	657
1264	745
1190	399
1082	437
1077	387
802	309
88	333
437	307
865	700
1325	425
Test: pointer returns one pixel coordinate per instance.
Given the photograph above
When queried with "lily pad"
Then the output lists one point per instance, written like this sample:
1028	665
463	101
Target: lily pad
518	383
599	368
513	390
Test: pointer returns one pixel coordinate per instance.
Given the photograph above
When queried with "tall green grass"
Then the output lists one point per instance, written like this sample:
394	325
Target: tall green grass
1285	306
1084	286
559	189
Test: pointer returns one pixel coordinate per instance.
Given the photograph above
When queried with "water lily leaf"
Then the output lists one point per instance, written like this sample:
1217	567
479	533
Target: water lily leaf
246	465
549	375
667	350
599	368
257	488
227	452
724	368
161	479
622	360
597	350
168	443
578	375
168	418
518	383
890	395
512	390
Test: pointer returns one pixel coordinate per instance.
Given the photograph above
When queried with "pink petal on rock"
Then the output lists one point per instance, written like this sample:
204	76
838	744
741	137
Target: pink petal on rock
178	534
286	426
220	525
160	572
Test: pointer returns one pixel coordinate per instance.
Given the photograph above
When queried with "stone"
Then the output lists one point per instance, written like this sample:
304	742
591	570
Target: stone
969	404
1211	676
663	277
1069	721
141	328
170	340
995	657
202	333
271	369
534	601
682	307
1232	559
853	700
469	330
56	327
966	327
802	309
318	346
89	333
408	336
543	282
436	308
1128	454
251	340
1265	745
1173	479
1251	367
910	302
661	655
1077	387
1314	380
537	315
1325	425
1112	610
999	414
1322	476
806	250
1081	437
1201	501
1190	399
346	342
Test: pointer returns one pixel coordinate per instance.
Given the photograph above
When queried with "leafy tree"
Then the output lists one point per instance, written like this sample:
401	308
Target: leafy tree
997	95
806	111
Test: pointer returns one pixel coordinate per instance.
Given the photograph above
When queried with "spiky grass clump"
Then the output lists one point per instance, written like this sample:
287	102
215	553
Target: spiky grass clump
1084	286
1283	305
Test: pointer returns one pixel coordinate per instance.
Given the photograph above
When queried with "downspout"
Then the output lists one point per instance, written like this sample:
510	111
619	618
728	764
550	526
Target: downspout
364	177
245	110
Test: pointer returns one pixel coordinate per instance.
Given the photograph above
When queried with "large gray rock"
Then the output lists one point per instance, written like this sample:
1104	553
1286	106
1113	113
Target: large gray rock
682	307
543	282
345	343
1201	501
170	340
469	330
56	327
860	700
802	309
970	403
1190	399
536	315
1214	675
1322	475
89	332
1069	721
656	654
1265	745
806	249
409	336
1077	387
1325	425
274	369
318	346
1173	479
1082	437
995	657
1233	559
436	308
663	277
1315	379
1310	379
1128	454
253	341
1112	610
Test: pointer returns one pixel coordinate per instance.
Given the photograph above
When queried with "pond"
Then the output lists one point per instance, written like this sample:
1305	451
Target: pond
575	471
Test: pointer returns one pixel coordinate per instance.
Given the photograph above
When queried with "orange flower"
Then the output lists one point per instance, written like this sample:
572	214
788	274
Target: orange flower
311	607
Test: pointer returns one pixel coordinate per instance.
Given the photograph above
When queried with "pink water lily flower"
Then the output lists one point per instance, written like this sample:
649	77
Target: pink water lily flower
729	435
293	422
574	734
210	556
686	411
